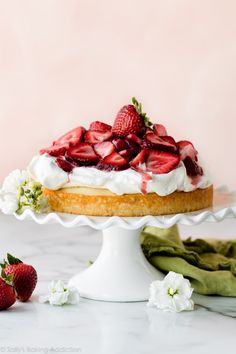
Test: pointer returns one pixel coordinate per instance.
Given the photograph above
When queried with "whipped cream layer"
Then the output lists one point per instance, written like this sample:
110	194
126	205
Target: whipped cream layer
44	169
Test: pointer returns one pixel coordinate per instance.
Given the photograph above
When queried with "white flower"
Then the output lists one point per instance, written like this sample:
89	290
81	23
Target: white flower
20	191
173	293
60	294
8	202
14	180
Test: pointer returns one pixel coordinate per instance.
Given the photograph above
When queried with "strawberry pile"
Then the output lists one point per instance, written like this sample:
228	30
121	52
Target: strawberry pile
132	142
17	281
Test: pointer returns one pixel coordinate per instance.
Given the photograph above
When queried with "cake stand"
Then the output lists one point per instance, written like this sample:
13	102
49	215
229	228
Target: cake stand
121	272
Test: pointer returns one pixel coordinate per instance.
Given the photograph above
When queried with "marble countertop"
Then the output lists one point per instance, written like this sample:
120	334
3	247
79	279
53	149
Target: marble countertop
102	327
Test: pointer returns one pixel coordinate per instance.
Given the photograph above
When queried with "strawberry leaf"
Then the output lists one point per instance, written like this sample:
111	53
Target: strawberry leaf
3	265
138	108
13	260
7	278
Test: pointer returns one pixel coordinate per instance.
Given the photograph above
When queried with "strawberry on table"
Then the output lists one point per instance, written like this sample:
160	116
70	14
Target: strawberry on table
130	120
7	292
24	277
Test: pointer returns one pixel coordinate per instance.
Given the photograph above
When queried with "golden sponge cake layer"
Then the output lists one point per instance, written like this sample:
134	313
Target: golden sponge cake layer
102	202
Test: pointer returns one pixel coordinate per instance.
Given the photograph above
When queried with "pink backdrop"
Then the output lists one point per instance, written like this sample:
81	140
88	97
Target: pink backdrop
65	63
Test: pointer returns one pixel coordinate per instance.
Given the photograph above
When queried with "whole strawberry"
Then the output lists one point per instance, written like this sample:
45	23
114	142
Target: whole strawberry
7	293
130	120
24	277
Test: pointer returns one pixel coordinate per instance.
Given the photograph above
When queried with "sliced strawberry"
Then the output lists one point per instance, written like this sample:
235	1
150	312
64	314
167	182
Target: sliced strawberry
95	136
139	159
73	137
120	144
104	149
169	139
64	165
100	126
159	162
159	130
55	150
155	142
113	162
192	168
127	154
134	138
83	153
186	149
135	148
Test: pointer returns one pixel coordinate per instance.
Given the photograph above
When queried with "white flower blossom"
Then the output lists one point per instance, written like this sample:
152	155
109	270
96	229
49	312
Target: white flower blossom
13	181
173	293
60	294
20	191
9	194
8	202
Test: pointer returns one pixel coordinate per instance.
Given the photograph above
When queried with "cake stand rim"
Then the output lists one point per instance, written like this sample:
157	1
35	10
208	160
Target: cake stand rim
132	223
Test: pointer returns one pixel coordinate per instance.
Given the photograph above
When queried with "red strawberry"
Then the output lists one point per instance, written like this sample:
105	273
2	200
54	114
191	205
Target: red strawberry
83	153
188	155
95	136
55	150
24	277
130	119
104	149
155	142
159	162
159	130
186	148
7	294
120	144
192	168
135	148
134	138
100	126
73	137
140	158
169	139
64	165
113	162
127	154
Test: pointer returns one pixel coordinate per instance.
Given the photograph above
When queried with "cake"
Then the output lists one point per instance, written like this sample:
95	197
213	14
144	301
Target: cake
132	168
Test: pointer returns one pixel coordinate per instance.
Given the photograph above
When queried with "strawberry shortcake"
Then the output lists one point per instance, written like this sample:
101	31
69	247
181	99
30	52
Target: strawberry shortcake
132	168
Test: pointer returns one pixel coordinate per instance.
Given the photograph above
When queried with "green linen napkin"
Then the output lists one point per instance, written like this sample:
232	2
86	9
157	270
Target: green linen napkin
209	265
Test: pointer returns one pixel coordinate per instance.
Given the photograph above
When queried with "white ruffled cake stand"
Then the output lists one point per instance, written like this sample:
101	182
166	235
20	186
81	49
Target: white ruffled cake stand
121	272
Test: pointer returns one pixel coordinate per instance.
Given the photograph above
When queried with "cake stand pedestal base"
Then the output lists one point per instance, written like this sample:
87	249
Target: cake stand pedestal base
121	272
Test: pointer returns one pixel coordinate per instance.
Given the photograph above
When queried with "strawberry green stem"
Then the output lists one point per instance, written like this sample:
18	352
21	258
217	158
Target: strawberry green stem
138	108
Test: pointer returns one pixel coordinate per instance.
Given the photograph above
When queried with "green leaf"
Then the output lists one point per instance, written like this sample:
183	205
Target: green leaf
3	265
13	260
138	107
7	278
